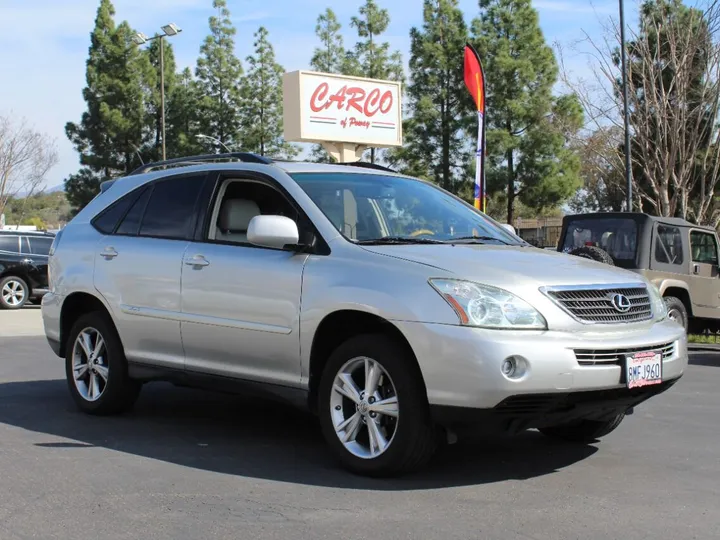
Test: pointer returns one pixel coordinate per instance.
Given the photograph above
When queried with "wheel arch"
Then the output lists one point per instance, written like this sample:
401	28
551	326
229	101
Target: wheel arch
74	306
339	326
679	290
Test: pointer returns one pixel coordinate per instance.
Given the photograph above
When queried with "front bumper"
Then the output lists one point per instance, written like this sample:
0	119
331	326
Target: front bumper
461	366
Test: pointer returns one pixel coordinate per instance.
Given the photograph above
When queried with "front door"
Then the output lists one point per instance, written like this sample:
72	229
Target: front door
704	281
241	303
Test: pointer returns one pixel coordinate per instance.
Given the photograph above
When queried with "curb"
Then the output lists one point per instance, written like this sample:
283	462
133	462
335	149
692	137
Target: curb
703	347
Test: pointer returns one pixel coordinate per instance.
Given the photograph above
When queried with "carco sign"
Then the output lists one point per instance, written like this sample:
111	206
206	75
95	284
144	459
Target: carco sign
321	107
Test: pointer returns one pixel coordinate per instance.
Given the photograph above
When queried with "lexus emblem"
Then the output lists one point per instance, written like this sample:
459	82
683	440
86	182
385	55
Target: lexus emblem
620	302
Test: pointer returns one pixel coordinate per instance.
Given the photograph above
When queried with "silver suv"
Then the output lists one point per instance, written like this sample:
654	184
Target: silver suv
390	308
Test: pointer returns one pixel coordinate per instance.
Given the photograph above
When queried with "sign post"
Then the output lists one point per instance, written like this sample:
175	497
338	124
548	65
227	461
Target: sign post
346	115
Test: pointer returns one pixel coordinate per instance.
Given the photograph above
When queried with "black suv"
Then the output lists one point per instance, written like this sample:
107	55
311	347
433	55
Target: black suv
23	267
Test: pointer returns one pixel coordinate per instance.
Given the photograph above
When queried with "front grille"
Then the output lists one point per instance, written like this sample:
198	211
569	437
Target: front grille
608	357
594	305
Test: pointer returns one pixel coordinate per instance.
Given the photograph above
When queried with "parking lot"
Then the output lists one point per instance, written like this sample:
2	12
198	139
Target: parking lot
192	465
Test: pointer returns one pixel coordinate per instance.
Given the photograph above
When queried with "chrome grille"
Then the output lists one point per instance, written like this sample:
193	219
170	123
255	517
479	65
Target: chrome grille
609	357
594	305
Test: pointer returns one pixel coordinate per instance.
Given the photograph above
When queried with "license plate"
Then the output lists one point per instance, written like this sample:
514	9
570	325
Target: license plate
643	369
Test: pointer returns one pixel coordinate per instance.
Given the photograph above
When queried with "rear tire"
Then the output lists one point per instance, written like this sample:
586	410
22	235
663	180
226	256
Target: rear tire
96	368
677	311
593	253
583	431
407	436
14	292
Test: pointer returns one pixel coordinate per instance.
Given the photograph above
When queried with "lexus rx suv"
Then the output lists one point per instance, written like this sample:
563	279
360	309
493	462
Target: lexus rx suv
23	267
394	311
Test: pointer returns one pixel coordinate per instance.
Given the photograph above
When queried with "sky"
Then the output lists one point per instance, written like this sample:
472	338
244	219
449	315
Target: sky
44	44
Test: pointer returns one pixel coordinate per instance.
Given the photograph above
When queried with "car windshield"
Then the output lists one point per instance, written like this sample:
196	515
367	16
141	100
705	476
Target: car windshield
376	208
617	236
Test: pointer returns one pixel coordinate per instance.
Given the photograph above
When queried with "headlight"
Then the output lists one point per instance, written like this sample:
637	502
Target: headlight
657	303
488	307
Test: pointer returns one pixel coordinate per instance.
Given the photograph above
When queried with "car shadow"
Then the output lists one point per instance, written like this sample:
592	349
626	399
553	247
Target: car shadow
251	438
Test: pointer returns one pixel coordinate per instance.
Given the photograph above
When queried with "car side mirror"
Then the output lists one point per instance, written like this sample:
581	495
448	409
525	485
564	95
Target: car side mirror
273	232
508	228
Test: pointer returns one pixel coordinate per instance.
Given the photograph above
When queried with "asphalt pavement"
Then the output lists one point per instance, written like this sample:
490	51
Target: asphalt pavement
193	465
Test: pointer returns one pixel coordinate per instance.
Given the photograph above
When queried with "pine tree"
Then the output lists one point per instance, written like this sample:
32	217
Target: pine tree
112	128
183	118
262	108
154	101
372	58
527	128
330	57
436	145
219	73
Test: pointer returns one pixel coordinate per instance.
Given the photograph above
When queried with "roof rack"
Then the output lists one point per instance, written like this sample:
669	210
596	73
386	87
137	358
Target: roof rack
366	165
246	157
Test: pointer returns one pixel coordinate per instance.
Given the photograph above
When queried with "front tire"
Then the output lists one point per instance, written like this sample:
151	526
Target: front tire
677	311
14	293
583	431
373	408
96	368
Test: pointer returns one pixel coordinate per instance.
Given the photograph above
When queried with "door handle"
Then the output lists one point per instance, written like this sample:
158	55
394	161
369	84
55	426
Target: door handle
197	260
28	261
696	269
109	253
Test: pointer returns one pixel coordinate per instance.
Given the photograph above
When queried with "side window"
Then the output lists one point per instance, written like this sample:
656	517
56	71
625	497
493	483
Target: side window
25	244
703	247
131	223
170	212
668	245
241	201
9	243
40	245
107	221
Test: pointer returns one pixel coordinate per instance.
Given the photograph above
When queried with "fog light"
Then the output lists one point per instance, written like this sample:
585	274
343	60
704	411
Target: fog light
509	366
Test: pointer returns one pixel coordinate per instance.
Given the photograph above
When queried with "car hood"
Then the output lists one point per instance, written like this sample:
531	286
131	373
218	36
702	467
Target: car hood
509	266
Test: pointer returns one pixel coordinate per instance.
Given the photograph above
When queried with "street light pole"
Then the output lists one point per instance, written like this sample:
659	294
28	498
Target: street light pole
203	136
169	30
626	114
162	93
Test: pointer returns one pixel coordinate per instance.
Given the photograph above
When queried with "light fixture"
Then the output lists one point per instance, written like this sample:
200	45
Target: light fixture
140	38
171	29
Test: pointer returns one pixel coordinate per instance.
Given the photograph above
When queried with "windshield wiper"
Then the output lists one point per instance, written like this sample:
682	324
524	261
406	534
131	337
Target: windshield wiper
399	240
480	239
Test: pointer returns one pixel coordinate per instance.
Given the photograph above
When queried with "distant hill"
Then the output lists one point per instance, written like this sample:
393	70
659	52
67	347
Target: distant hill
56	189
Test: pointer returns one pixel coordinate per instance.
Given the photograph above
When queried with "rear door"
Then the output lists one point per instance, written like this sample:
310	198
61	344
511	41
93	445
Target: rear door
138	264
704	275
36	250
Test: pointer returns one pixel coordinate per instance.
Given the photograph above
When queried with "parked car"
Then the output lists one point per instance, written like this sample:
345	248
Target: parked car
392	309
23	267
679	258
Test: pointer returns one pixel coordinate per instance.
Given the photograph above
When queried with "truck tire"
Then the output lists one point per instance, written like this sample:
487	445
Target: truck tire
583	431
593	253
677	311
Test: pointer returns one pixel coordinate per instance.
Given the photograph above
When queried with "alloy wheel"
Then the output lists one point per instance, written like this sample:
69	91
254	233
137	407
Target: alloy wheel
90	365
13	293
364	408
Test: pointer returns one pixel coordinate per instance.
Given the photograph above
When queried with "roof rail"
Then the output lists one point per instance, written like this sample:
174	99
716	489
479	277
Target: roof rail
366	165
246	157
